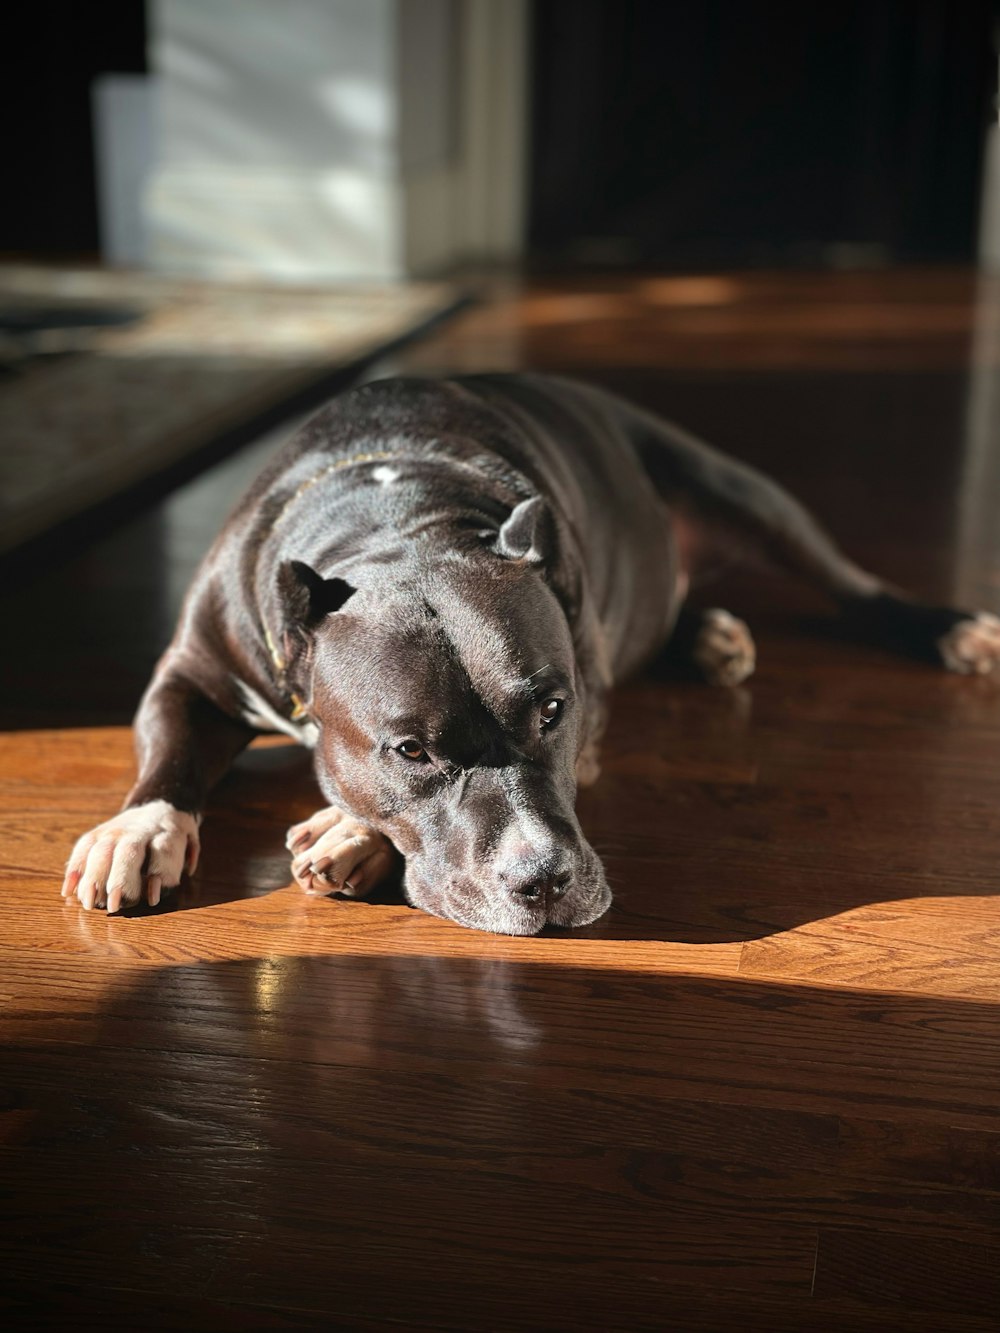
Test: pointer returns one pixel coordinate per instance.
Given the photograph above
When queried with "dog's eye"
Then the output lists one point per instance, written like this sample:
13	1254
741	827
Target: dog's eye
551	712
412	750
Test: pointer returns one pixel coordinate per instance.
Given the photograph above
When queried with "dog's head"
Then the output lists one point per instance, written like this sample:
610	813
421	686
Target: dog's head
449	711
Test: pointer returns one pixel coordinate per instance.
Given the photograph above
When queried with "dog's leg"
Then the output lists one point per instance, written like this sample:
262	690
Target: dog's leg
184	744
725	508
334	852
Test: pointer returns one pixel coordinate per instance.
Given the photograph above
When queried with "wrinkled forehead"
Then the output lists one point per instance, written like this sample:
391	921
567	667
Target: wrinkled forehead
511	640
441	654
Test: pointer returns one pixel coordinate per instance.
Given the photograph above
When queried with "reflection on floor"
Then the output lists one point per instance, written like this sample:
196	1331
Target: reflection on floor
762	1093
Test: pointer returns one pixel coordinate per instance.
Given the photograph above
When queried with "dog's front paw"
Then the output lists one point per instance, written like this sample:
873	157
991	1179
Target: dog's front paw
333	851
724	650
148	847
972	647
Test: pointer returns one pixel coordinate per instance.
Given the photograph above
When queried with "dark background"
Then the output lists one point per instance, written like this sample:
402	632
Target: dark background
756	133
45	91
663	134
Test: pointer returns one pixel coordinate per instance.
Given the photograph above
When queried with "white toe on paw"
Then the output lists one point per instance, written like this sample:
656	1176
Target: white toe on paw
145	848
972	647
724	649
334	852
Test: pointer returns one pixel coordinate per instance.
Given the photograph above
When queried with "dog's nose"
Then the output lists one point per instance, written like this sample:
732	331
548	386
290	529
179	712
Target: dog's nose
535	891
533	877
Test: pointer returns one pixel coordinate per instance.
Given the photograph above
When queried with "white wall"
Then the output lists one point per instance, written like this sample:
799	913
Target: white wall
332	139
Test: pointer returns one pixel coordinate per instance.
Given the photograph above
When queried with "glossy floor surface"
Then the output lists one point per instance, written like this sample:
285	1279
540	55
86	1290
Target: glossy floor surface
762	1093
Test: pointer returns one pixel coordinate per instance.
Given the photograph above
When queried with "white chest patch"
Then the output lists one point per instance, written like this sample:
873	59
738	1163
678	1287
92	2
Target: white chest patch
259	713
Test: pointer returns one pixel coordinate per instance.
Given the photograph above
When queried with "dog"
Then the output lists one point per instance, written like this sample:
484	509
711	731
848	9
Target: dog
435	584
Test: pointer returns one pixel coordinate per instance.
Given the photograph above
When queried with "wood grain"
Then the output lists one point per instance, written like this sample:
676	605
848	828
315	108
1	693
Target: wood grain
762	1093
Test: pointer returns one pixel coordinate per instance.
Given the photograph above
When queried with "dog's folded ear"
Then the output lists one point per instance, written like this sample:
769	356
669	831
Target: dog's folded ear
306	597
528	534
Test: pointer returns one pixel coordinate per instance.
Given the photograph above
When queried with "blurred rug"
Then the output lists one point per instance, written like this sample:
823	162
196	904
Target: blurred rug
109	378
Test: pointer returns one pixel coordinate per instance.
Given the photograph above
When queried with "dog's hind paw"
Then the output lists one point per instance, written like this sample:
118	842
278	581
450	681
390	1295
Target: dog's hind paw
332	852
724	650
972	647
588	765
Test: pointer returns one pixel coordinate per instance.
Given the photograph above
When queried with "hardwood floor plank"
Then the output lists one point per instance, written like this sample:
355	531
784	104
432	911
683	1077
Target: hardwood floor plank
522	1306
805	1048
650	1162
883	948
915	1151
955	1277
199	1105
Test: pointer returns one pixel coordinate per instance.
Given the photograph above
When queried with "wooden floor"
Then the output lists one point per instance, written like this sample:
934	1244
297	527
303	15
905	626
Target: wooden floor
763	1093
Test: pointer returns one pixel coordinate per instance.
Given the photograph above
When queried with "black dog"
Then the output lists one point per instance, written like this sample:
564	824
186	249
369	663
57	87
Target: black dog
436	584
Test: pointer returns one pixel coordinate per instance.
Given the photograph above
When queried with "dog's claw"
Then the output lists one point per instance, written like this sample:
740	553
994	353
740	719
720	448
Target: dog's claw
297	837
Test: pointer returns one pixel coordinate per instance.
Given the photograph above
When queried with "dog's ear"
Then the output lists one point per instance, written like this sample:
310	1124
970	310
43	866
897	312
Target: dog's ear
528	533
306	597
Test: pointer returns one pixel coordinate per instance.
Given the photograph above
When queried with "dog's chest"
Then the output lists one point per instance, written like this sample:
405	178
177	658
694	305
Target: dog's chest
258	713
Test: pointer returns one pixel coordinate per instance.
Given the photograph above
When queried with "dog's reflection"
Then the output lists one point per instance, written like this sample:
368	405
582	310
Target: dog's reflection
341	1008
427	1003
